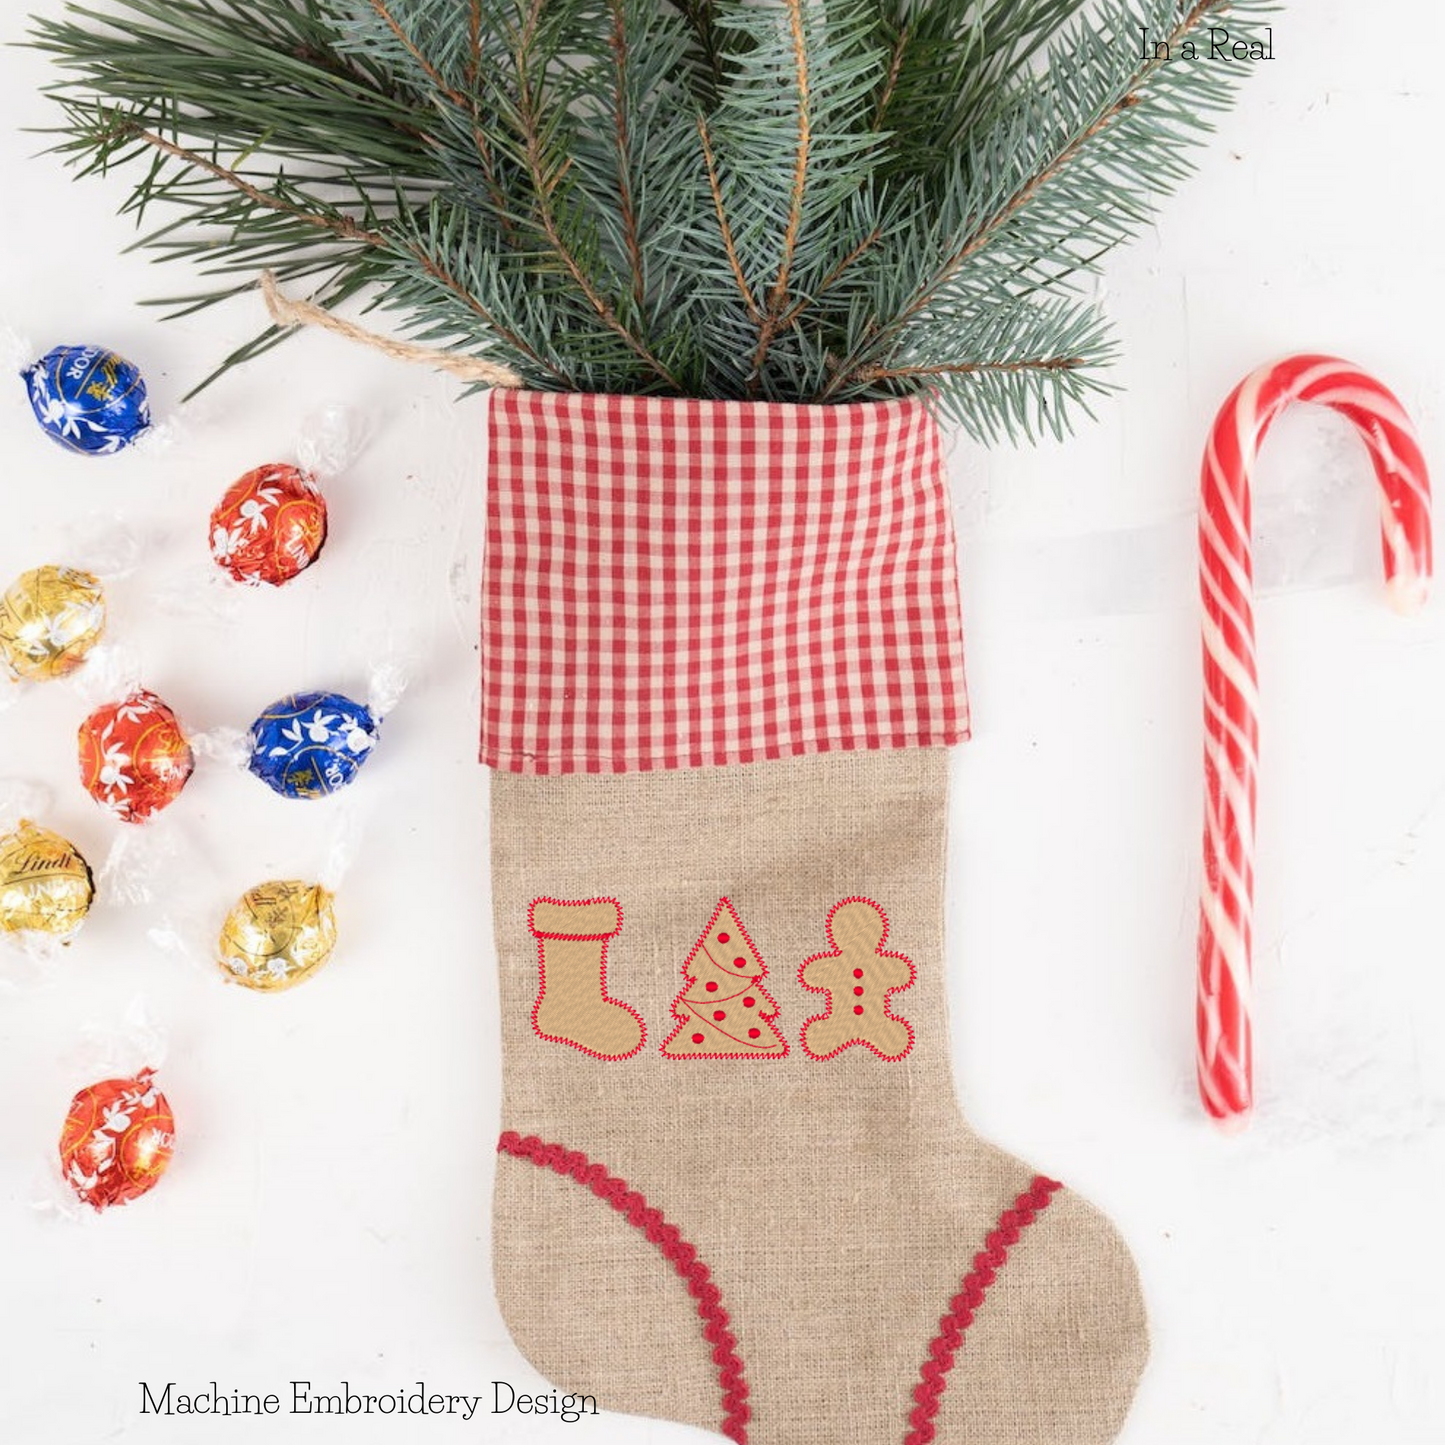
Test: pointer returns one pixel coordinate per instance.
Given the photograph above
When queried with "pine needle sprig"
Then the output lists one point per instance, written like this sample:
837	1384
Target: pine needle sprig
794	200
1101	120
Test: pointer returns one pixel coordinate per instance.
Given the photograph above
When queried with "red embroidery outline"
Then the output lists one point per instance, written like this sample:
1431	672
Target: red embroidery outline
933	1377
678	1252
725	902
836	952
606	997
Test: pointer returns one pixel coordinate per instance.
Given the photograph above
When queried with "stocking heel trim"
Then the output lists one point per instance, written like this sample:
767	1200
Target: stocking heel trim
933	1377
683	1257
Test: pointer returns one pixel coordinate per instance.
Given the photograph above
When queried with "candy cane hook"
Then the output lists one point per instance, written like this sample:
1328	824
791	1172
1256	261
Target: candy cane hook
1224	1014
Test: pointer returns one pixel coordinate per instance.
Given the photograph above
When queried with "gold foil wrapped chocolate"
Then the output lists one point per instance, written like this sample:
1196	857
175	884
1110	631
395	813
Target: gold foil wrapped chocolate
50	617
45	885
278	934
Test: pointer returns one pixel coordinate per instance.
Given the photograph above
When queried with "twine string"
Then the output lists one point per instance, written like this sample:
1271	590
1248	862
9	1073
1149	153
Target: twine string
287	311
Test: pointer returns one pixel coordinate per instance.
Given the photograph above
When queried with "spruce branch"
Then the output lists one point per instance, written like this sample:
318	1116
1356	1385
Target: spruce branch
1127	136
778	295
632	239
336	223
547	177
725	230
793	200
383	13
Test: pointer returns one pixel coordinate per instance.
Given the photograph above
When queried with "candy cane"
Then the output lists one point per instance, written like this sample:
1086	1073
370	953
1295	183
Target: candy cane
1231	726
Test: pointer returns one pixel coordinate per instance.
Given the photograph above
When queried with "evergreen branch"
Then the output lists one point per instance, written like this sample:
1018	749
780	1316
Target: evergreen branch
778	296
708	70
544	189
383	13
890	80
812	200
1020	198
986	230
338	225
624	157
1012	369
800	170
238	72
479	138
449	283
869	375
490	181
830	279
474	42
950	65
724	226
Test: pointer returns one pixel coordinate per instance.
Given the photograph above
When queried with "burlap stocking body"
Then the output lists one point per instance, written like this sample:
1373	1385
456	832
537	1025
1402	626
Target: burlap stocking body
721	668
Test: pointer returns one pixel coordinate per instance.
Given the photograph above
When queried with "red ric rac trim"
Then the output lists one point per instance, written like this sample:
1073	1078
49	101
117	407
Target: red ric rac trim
933	1377
833	1003
604	938
573	1164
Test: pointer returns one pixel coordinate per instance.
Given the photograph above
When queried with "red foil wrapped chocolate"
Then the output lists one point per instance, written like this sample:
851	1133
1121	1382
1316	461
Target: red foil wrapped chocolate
117	1140
269	526
134	758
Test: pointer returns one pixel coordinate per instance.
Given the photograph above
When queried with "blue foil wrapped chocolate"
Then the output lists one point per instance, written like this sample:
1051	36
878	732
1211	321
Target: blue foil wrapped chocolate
88	399
311	743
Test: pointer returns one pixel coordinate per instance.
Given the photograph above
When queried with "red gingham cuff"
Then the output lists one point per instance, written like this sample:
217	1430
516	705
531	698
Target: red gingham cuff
690	583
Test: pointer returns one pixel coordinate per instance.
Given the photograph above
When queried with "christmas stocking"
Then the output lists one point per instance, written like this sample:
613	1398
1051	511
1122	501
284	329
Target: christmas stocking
722	663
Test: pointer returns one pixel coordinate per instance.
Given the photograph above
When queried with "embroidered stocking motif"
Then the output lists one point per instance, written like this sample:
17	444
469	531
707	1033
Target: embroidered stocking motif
859	978
724	1012
572	1003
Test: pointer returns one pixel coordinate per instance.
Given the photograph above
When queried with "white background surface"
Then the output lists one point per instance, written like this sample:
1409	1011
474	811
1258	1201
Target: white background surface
327	1215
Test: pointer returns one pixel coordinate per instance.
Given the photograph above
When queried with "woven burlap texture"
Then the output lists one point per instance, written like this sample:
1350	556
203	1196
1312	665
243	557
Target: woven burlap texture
837	1204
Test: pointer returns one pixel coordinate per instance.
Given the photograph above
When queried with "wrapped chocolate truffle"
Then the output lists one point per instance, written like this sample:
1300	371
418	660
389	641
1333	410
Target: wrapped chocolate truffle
311	744
117	1140
278	934
88	399
134	756
269	526
51	618
46	887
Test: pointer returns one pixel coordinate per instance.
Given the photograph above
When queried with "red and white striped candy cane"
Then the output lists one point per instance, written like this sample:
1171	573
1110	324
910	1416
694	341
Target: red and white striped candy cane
1231	723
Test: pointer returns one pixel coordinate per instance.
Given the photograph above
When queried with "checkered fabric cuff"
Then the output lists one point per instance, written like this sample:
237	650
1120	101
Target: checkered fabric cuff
690	583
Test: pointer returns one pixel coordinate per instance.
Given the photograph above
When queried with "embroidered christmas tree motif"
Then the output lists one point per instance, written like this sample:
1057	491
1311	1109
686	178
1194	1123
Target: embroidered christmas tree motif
573	1005
724	1012
859	979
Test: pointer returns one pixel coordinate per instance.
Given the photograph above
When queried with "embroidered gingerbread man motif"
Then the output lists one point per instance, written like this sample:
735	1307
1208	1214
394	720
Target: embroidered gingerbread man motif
859	979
